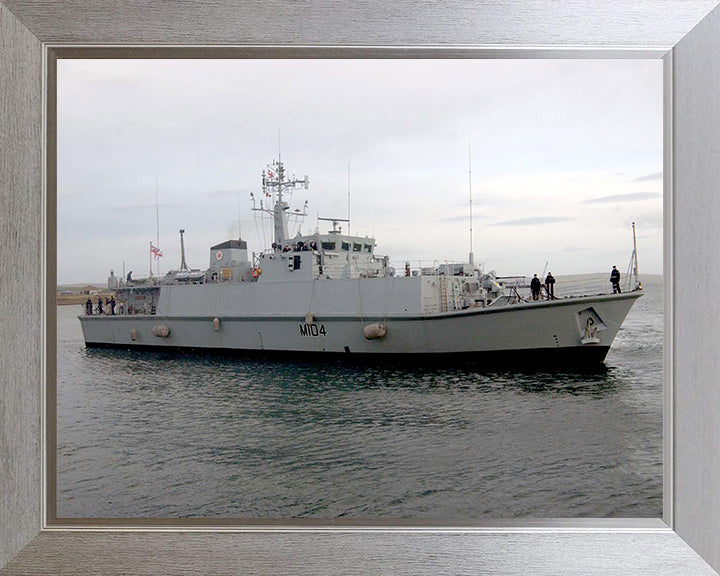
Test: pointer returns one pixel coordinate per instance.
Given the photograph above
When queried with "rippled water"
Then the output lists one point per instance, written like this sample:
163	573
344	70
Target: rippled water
144	434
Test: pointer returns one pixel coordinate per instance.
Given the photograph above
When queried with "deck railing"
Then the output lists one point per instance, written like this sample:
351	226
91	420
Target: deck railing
582	287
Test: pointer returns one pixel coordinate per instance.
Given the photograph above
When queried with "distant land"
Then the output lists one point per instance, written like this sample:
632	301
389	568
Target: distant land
78	293
98	285
643	277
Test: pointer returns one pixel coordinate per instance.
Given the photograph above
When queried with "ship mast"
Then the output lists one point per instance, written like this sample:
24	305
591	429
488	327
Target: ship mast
634	261
274	185
279	219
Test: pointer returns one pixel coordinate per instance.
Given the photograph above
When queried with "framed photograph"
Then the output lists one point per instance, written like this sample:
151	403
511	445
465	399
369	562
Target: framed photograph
690	510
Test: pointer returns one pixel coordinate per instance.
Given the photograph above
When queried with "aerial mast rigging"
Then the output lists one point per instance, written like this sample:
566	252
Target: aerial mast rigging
274	185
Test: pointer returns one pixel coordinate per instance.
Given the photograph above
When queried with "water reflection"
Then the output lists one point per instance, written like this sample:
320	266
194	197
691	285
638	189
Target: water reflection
291	374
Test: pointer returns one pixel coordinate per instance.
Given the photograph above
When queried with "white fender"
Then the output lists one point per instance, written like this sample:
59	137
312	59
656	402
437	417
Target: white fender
374	331
216	324
161	331
133	334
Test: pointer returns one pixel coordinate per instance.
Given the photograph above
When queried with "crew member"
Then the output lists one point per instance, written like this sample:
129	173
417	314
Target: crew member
615	280
535	287
100	308
550	286
88	307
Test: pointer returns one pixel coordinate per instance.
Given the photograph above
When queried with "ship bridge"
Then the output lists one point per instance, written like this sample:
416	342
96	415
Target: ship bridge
330	255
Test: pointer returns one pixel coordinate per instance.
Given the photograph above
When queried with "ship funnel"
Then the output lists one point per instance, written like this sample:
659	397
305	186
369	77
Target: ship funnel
183	266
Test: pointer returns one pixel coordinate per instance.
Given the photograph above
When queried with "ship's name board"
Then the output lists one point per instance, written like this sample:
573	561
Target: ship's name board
312	329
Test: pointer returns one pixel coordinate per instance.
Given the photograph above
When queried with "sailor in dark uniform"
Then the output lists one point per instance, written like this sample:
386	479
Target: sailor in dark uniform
550	285
615	280
535	287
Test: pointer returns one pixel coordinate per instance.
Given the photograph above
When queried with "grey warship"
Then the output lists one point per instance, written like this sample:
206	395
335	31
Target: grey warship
330	294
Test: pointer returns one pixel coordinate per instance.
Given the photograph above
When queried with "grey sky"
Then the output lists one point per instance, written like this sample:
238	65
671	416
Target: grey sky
655	176
632	197
565	155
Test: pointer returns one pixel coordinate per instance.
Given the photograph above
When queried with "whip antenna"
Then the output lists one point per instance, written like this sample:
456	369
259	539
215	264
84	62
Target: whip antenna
472	256
157	222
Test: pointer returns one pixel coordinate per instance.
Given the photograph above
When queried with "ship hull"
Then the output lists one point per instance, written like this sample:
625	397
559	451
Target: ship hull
570	357
572	331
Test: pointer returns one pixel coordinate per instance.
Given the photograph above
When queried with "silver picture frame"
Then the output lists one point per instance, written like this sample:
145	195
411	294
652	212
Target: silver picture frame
684	33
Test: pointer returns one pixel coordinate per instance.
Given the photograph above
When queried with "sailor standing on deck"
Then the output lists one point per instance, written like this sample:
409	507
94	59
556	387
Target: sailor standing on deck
535	287
550	286
615	280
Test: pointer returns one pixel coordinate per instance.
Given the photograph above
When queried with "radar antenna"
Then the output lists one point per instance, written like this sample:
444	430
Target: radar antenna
335	229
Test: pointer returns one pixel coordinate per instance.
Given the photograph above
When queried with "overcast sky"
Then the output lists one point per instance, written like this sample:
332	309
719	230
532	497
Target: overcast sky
565	154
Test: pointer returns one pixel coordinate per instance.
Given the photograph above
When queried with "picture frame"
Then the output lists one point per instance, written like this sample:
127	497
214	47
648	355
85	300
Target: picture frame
684	34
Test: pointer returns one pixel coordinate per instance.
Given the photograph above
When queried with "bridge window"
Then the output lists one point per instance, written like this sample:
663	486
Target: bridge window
368	248
357	247
345	246
328	245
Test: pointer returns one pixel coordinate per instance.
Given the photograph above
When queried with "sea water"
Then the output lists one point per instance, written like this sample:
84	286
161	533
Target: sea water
166	435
